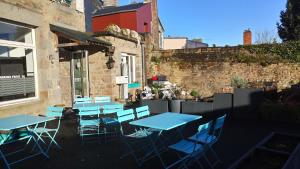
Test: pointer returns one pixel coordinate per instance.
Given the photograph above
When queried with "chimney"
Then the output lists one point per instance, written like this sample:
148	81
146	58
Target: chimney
247	37
110	3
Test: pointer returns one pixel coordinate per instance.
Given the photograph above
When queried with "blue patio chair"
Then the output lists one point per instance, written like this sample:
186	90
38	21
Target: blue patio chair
142	112
109	118
83	100
89	121
210	136
190	151
9	138
51	132
102	99
137	142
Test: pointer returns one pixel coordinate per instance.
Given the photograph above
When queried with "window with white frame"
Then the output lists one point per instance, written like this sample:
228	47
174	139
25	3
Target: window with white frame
17	62
128	67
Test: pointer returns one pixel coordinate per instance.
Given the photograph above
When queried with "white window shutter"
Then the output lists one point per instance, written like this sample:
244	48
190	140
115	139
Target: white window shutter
80	5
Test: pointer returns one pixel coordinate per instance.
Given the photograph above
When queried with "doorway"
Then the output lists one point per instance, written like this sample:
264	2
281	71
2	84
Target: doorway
80	74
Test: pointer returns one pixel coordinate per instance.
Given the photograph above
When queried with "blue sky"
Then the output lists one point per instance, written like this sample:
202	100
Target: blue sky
220	22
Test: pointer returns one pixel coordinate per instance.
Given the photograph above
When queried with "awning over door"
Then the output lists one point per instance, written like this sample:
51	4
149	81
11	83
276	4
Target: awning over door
77	40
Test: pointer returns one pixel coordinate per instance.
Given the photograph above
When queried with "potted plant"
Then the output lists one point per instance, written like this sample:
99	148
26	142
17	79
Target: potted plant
176	100
195	95
246	100
156	90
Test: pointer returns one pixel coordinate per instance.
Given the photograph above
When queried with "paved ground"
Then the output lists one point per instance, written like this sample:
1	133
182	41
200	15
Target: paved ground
237	138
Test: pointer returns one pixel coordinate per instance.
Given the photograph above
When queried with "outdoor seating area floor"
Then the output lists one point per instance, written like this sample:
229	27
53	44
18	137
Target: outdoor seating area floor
237	138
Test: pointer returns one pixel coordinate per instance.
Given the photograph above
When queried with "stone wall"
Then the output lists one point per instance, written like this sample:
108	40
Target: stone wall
102	79
208	76
40	14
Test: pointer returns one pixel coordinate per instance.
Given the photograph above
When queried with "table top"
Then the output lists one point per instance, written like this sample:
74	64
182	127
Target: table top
20	121
78	105
165	121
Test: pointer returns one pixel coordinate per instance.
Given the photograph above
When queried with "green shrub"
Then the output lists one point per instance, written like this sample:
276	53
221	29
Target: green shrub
194	93
238	82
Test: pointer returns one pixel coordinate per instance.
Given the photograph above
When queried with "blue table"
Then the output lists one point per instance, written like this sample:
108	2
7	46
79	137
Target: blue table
164	122
78	105
12	124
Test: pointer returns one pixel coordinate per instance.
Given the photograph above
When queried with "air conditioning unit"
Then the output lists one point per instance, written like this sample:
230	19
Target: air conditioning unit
121	80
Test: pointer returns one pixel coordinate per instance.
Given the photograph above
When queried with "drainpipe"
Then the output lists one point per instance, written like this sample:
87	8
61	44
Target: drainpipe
143	65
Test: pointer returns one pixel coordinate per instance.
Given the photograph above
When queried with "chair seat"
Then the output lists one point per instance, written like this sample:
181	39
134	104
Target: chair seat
89	122
43	130
186	147
109	120
20	135
203	138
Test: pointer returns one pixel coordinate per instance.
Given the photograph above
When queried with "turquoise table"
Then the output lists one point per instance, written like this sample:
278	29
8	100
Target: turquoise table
78	105
164	122
11	125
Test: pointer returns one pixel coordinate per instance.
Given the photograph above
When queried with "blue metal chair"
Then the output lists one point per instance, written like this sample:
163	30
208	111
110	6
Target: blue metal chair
89	121
210	136
56	112
142	112
137	142
190	151
83	100
102	99
109	118
9	138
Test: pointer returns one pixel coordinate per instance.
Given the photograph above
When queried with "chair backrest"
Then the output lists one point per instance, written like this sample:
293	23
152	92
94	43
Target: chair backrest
89	111
219	125
142	111
125	115
102	99
54	111
110	109
83	100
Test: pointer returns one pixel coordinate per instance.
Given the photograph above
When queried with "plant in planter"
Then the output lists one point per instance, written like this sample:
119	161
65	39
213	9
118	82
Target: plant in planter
246	99
156	90
195	94
238	82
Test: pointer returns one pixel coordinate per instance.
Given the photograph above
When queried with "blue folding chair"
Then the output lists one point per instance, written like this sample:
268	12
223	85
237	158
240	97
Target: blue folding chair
142	112
210	136
83	100
190	151
50	132
109	119
102	99
89	121
9	138
137	142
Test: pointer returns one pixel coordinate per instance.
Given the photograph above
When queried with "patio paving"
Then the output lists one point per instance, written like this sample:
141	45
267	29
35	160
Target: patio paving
237	138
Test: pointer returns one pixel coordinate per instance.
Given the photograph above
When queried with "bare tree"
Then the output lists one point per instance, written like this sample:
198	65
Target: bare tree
265	37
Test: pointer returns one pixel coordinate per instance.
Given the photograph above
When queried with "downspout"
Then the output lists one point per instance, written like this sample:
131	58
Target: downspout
143	65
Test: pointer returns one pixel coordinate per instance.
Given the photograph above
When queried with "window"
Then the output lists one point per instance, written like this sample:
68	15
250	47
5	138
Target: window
128	67
17	59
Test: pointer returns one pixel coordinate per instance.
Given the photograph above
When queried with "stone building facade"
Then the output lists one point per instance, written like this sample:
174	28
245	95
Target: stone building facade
37	16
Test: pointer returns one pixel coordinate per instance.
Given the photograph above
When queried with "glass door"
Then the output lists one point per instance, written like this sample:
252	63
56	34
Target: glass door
80	77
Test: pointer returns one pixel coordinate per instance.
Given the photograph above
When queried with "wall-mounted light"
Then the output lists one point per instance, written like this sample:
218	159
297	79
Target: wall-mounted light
110	63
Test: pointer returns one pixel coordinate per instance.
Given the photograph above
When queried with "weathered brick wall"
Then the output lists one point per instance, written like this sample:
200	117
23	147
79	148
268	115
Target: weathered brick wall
208	76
